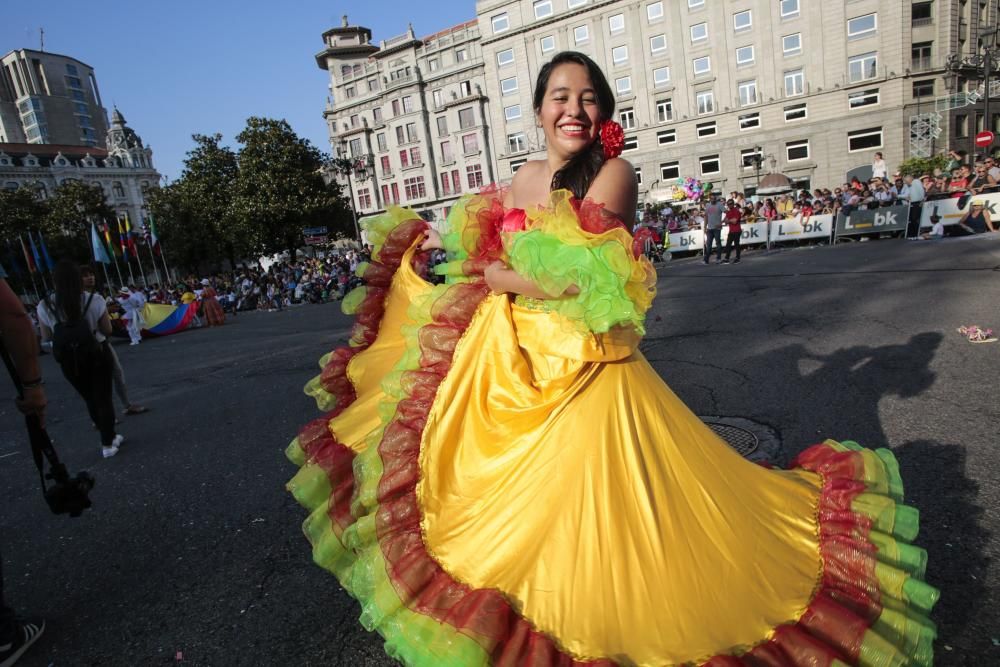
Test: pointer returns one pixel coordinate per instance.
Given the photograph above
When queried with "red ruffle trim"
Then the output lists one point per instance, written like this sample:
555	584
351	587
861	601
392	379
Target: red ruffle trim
315	439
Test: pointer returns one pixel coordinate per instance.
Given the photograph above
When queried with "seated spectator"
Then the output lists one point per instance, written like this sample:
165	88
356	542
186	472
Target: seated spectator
975	221
937	230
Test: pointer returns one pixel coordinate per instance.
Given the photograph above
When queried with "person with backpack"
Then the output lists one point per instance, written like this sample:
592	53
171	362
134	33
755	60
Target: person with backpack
77	323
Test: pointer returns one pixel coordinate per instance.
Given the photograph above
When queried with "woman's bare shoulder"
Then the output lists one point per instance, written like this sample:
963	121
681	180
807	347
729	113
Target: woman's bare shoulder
616	187
525	188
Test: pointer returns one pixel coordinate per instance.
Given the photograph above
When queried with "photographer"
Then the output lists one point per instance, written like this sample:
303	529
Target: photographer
17	635
78	324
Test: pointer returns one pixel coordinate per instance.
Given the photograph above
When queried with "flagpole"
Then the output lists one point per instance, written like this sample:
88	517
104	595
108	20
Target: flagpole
107	280
34	286
38	261
114	257
124	244
152	256
135	248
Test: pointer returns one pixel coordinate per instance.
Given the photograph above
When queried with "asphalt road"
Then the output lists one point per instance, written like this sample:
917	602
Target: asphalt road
193	551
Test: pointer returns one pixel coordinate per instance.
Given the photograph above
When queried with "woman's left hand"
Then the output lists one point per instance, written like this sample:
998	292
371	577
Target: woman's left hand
495	274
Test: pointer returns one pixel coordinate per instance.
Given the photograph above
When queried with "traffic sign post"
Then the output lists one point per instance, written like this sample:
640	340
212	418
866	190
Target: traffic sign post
984	139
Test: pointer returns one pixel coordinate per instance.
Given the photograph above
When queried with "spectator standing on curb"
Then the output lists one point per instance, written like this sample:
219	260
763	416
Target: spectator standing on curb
117	373
879	168
913	194
735	231
18	634
713	228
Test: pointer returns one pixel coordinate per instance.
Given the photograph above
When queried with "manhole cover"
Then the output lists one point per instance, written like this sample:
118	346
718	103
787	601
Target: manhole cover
740	439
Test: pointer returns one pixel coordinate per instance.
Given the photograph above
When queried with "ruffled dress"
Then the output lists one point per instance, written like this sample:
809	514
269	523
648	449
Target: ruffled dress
507	481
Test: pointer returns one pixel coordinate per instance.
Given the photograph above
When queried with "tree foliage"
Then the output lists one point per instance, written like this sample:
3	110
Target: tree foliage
280	189
919	166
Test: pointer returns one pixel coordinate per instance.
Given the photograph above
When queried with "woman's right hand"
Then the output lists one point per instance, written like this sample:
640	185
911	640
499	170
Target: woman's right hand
432	240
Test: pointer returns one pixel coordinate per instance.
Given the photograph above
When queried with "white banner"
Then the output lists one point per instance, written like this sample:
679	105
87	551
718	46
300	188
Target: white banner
793	229
687	241
950	211
753	234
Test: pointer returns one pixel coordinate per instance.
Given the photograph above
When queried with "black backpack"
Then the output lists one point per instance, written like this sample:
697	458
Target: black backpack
73	343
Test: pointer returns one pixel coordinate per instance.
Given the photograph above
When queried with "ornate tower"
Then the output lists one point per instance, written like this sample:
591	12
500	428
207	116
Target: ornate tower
126	146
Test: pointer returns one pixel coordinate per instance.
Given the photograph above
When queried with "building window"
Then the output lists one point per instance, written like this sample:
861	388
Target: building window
466	118
575	3
920	56
962	126
373	85
638	175
456	181
922	13
695	3
377	115
654	11
414	188
508	86
670	171
446	156
664	111
395	108
627	118
415	156
445	183
71	70
707	130
631	144
355	121
749	157
547	43
500	23
742	21
709	165
442	125
795	112
513	112
619	55
657	43
744	55
516	164
581	34
789	8
118	190
350	92
862	67
863	98
702	65
661	76
705	101
364	198
404	159
748	93
923	88
461	55
623	85
795	83
699	32
386	165
749	121
862	26
791	45
616	23
517	143
864	140
433	64
474	174
355	147
438	98
543	8
664	137
797	150
411	132
470	144
505	57
465	88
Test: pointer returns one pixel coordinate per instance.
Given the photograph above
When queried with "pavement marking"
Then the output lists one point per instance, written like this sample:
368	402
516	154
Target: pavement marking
3	456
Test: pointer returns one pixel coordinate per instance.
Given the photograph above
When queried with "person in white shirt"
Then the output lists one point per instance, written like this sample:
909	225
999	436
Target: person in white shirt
90	374
132	308
879	168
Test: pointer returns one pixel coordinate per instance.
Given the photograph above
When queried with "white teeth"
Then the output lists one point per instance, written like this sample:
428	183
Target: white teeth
572	128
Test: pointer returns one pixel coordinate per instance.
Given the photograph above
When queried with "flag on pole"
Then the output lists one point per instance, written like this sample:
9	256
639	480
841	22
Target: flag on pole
106	230
154	240
100	254
27	256
12	260
132	247
34	253
45	253
121	239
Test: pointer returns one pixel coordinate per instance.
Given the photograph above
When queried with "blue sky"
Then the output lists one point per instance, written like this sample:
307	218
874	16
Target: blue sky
179	67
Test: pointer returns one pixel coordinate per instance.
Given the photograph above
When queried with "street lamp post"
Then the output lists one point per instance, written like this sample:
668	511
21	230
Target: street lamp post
352	166
984	65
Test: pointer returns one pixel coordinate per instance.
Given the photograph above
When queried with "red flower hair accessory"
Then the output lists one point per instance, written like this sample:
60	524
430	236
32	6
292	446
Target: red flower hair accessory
612	139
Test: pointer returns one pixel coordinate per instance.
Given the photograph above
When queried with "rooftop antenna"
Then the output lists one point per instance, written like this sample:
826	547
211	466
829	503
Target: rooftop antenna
41	39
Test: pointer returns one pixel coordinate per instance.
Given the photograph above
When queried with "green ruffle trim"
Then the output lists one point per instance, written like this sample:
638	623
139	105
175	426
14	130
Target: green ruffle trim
601	272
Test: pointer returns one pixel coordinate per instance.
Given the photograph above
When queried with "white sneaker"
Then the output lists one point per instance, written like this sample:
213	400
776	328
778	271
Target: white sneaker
109	451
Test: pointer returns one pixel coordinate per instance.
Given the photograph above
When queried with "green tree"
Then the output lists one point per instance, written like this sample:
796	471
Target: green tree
280	189
193	214
20	211
72	207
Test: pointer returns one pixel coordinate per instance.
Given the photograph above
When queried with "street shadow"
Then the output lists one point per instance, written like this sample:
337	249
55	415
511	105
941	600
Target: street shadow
837	395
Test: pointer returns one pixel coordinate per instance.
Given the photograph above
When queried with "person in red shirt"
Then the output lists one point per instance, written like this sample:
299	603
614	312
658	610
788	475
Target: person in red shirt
733	218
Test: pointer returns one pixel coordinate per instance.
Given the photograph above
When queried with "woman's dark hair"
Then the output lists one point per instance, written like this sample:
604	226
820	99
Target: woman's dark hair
69	289
577	175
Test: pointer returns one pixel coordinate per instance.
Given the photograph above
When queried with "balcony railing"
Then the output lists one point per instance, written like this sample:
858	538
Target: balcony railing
917	23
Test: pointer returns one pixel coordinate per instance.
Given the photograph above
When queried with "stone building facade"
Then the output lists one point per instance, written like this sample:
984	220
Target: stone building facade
412	115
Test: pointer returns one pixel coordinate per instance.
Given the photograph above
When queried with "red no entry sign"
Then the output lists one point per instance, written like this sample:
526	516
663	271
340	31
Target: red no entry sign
984	139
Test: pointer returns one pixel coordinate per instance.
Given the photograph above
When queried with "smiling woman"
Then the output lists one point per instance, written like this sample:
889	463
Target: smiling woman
503	479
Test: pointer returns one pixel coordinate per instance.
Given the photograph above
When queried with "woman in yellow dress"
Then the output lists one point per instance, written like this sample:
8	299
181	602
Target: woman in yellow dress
502	478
